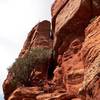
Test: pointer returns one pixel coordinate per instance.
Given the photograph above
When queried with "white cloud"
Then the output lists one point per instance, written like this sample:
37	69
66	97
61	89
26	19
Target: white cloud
17	17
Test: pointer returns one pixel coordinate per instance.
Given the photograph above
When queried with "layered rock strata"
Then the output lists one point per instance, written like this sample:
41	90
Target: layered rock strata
91	59
69	21
76	41
38	37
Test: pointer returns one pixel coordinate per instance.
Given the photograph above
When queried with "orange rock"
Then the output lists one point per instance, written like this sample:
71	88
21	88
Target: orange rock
38	37
76	99
77	50
7	86
91	56
58	76
25	93
57	6
72	17
59	60
69	21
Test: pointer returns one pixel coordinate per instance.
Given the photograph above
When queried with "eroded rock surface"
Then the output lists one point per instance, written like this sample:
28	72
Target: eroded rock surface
35	93
38	37
69	22
76	41
25	93
91	57
72	18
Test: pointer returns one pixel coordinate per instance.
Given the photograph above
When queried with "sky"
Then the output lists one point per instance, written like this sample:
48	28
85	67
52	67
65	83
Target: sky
17	17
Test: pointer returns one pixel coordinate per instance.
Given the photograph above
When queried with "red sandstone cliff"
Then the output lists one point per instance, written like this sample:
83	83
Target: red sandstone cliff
76	41
38	37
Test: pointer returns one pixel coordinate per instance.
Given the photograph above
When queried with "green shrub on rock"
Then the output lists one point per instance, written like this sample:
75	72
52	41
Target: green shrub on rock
22	67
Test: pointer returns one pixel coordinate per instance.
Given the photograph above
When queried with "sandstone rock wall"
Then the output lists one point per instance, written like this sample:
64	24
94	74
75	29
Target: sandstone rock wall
38	37
91	59
71	43
76	41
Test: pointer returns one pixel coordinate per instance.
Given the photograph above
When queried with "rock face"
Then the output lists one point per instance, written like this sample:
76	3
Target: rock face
91	58
26	93
69	24
76	42
38	37
70	18
34	93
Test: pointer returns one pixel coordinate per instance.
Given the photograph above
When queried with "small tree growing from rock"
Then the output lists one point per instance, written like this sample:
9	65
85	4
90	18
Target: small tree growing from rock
22	67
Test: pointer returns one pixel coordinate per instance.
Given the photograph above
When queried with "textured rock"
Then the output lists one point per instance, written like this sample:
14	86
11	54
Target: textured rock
93	89
35	93
73	15
56	95
58	76
95	7
91	57
38	37
57	6
72	18
7	86
73	74
69	21
77	57
25	93
77	48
